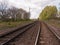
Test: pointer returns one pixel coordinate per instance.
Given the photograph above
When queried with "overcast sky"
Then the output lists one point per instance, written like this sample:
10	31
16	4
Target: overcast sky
35	5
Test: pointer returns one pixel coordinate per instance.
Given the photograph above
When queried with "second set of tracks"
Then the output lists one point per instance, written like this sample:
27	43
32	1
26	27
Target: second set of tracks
36	33
47	35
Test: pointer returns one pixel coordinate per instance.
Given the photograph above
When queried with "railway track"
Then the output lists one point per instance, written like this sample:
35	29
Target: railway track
47	36
29	37
37	33
54	31
5	39
8	31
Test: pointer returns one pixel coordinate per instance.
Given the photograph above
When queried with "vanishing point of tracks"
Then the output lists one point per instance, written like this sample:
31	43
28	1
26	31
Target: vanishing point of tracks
35	33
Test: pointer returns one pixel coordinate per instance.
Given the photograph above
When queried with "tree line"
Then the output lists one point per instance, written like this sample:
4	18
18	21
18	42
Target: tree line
12	13
49	12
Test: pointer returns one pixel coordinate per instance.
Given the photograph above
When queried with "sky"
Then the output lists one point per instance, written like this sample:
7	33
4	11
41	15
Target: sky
36	6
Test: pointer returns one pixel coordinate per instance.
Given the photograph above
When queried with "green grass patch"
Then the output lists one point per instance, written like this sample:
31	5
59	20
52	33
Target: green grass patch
11	24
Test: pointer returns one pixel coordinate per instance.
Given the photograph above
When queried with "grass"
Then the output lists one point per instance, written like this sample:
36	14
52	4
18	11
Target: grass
55	23
5	25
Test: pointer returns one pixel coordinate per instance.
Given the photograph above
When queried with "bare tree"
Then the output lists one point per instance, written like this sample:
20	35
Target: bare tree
14	12
3	6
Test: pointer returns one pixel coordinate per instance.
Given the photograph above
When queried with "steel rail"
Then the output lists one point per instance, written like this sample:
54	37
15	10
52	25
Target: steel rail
52	30
6	42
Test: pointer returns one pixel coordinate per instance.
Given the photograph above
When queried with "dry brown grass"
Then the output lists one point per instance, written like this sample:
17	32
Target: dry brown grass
55	23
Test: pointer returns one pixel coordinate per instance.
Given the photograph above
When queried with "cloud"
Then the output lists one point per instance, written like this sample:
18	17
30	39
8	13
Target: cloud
35	5
56	3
